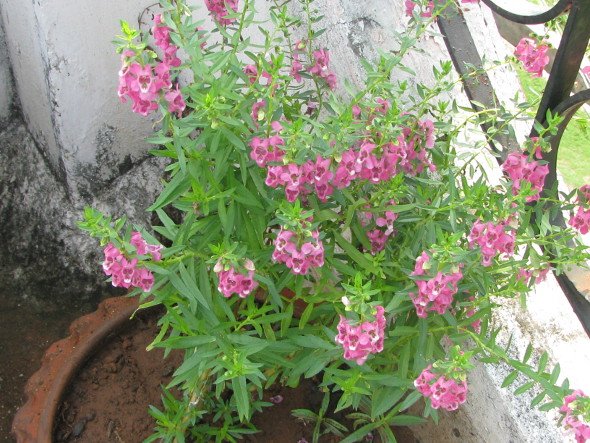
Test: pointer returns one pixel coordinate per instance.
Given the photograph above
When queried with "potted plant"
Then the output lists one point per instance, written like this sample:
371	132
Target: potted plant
287	185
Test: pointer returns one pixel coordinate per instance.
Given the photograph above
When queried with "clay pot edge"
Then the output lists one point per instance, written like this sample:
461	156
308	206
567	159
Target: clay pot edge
34	421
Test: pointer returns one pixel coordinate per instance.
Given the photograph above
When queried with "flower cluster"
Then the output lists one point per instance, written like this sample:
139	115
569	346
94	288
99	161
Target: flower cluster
443	392
124	272
492	240
581	219
527	275
363	339
476	324
266	150
218	9
519	168
532	55
252	72
144	248
366	162
435	294
410	6
320	67
379	235
234	282
296	66
302	179
145	84
299	253
574	418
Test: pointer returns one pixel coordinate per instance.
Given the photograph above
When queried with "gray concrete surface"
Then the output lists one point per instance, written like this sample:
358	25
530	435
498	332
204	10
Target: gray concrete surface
6	85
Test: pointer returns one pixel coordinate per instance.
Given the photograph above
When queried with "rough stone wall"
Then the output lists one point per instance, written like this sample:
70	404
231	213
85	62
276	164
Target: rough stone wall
47	260
6	86
65	70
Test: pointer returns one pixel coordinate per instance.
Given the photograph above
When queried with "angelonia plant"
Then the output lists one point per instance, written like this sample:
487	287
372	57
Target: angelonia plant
308	228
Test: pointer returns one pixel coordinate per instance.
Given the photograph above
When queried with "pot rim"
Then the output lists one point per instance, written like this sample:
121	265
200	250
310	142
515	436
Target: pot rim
34	420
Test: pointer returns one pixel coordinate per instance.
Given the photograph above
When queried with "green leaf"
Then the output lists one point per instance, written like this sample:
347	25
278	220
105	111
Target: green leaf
406	420
510	379
304	414
548	406
410	400
404	360
305	316
186	342
543	362
242	397
538	399
555	374
313	341
176	187
233	138
522	389
360	433
384	399
353	253
158	139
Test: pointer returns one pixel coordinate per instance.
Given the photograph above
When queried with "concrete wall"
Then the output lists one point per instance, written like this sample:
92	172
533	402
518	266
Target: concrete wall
65	69
6	86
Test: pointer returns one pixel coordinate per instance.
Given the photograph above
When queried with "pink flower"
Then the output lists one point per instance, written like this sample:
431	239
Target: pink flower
434	294
410	5
420	262
363	339
356	112
300	259
584	195
532	55
575	421
163	80
519	169
140	85
219	10
348	169
125	273
320	67
256	114
296	68
581	220
443	392
233	282
252	72
143	248
492	240
586	71
170	57
378	239
384	228
161	33
175	101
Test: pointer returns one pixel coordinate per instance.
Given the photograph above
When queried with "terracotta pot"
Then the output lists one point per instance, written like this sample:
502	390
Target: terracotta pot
44	391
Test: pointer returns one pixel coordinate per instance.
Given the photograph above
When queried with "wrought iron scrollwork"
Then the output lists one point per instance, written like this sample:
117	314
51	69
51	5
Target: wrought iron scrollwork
533	19
556	98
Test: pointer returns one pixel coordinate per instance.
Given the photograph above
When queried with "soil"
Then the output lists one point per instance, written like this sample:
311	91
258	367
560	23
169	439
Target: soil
120	382
109	399
26	330
277	425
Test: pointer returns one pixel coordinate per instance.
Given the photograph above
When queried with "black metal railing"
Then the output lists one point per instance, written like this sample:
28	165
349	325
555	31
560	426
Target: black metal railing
557	96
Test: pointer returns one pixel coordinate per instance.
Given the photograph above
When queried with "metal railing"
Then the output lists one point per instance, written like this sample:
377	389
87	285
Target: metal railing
557	96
